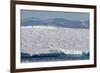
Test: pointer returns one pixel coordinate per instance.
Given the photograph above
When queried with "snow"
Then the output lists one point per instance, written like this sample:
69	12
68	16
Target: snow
69	40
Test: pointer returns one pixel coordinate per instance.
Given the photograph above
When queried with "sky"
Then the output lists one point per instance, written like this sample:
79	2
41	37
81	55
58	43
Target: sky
54	14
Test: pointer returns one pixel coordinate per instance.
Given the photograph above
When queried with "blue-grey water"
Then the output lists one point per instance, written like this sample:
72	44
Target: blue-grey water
54	57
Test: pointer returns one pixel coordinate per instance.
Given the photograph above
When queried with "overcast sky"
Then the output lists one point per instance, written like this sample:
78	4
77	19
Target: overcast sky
53	14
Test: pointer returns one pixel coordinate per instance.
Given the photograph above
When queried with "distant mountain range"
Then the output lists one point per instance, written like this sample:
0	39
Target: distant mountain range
56	22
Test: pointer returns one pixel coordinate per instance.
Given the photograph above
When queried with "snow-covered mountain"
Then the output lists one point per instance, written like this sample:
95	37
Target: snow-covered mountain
57	22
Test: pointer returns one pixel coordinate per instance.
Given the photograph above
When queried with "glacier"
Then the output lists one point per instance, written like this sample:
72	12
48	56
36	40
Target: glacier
42	39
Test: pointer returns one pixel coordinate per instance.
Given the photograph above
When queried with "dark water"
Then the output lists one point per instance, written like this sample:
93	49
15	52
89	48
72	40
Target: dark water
54	57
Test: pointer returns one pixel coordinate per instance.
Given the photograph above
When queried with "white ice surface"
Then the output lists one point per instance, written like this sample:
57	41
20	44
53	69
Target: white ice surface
35	40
